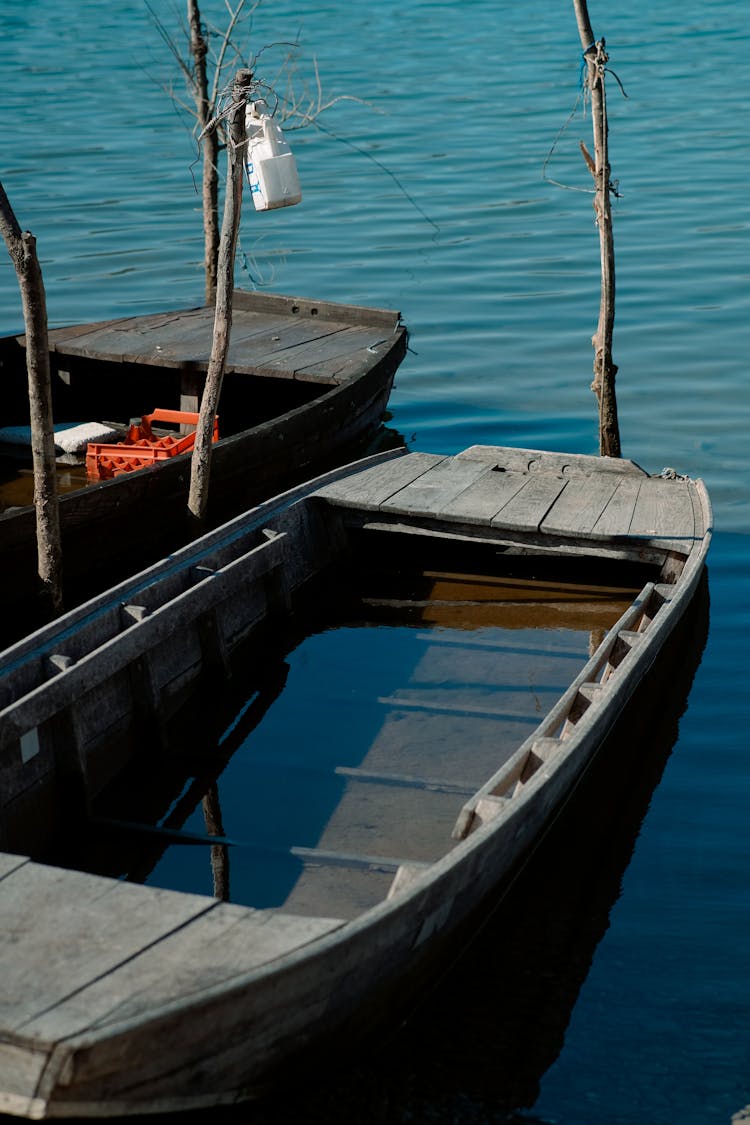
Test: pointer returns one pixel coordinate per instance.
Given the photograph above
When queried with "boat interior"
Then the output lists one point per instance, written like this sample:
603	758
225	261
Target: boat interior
350	733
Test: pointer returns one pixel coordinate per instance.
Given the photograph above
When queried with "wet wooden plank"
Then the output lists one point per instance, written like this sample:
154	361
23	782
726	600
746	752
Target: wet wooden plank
373	487
221	945
438	487
63	929
527	509
579	506
663	508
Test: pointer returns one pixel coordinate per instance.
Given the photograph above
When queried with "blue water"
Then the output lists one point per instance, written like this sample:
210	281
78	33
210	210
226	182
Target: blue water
426	194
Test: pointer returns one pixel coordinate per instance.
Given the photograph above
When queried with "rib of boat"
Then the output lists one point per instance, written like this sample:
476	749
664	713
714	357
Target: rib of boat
558	580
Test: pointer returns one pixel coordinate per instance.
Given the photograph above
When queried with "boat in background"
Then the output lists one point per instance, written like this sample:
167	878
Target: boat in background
306	387
126	998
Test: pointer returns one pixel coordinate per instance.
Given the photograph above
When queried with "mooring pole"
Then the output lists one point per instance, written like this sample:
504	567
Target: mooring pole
595	57
22	249
200	467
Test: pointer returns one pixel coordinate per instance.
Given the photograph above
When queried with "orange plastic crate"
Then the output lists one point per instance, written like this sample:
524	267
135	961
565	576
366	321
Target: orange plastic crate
141	447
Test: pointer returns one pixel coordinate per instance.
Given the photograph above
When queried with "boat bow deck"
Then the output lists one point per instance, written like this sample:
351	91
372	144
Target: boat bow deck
271	335
527	493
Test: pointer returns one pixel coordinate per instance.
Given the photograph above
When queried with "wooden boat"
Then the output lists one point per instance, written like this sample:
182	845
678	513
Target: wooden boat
306	385
127	998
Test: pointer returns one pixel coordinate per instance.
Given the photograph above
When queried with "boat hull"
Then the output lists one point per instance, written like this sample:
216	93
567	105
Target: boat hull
188	1008
311	420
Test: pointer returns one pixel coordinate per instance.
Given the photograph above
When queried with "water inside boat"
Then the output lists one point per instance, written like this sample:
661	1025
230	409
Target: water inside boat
348	744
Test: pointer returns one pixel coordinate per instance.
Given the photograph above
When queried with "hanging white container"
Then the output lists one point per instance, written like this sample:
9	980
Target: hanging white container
271	167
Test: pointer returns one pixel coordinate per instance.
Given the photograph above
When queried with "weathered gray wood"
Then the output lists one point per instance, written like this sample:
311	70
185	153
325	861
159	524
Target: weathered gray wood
439	486
10	863
200	460
303	307
526	510
485	496
580	505
619	511
21	1069
264	335
663	508
539	460
325	349
399	779
64	929
371	488
220	943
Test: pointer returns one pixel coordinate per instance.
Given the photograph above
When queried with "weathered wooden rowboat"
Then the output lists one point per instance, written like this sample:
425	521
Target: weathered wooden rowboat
306	381
121	998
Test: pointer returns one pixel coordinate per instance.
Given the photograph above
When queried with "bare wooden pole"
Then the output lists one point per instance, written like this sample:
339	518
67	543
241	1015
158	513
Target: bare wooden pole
219	852
604	368
200	469
22	249
199	51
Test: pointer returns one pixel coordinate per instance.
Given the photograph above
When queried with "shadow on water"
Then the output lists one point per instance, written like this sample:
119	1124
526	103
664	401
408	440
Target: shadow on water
475	1047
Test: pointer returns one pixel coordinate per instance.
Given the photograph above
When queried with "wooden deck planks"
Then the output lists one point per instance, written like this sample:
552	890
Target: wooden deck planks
64	929
542	461
431	492
481	501
616	516
580	505
527	508
333	345
222	944
162	339
271	338
663	508
371	488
